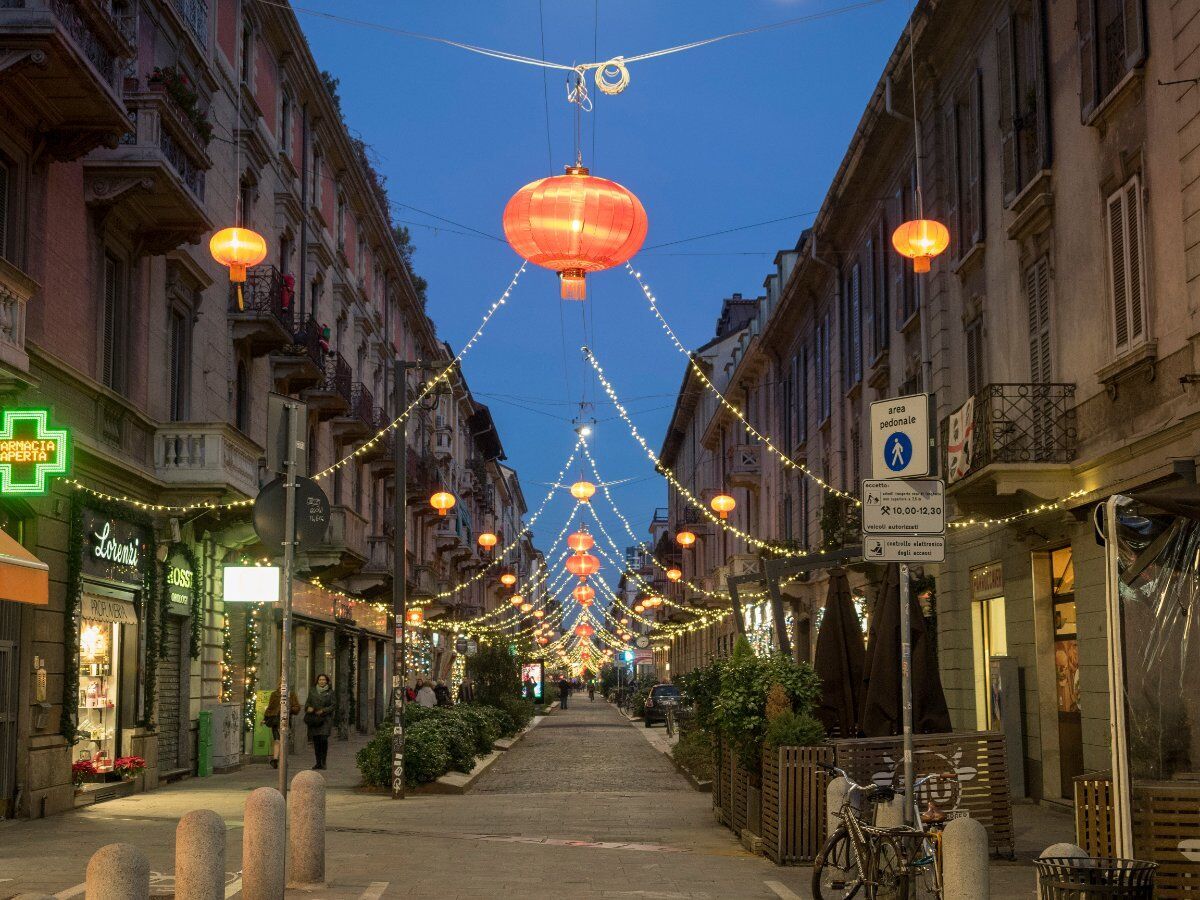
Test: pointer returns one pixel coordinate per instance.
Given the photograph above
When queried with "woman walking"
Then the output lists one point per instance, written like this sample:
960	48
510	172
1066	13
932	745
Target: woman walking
318	716
271	720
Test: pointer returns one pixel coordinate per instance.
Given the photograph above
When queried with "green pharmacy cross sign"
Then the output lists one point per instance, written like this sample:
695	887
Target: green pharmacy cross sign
31	452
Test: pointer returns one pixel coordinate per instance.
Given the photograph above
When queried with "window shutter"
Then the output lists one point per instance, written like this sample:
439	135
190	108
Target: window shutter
1006	73
1037	295
108	352
4	179
955	166
802	396
869	289
1135	33
855	323
1085	22
974	348
1116	264
1037	51
975	142
1133	242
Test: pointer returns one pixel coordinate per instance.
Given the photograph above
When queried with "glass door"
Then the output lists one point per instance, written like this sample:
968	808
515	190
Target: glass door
990	638
99	689
1066	668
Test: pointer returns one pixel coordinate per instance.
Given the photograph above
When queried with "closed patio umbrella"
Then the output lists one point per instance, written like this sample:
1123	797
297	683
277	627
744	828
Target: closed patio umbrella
839	660
881	711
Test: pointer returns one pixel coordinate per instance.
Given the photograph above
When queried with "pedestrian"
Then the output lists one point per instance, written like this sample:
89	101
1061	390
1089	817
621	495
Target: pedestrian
591	690
425	695
271	720
318	717
410	692
528	687
466	691
442	693
564	691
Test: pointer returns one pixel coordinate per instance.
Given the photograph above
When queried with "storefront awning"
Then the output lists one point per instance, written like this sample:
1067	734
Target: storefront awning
107	609
23	577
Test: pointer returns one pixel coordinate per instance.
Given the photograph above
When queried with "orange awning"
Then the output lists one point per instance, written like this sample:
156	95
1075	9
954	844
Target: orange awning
23	577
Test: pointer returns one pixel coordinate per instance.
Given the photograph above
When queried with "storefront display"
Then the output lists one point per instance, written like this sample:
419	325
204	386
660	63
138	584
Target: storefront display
100	648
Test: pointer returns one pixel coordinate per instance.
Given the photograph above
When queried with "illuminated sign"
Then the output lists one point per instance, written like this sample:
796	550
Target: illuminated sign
31	452
251	584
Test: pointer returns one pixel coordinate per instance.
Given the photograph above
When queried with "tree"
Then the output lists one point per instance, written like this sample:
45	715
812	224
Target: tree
404	244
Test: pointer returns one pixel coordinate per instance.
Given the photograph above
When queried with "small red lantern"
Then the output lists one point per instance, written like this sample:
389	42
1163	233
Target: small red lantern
487	540
508	579
582	491
685	538
580	541
723	505
674	574
581	565
442	501
584	631
584	595
920	240
574	224
414	616
516	599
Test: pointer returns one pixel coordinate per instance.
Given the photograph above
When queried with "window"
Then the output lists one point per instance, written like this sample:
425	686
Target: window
966	167
821	366
973	334
341	223
6	207
179	341
881	307
1112	42
285	253
786	516
248	56
906	278
241	399
246	202
804	512
1024	117
315	193
786	390
312	451
800	391
852	327
286	116
1125	265
317	285
114	352
1036	280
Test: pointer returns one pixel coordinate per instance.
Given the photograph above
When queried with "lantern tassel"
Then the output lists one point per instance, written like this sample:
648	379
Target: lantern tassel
573	285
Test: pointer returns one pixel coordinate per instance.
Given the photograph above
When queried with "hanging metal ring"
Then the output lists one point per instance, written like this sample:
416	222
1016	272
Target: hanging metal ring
612	77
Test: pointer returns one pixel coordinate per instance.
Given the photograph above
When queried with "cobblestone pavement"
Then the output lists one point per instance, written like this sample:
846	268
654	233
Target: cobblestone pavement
583	807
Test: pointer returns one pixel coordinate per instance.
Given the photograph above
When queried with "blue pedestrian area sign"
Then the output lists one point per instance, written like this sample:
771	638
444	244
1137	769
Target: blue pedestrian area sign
900	437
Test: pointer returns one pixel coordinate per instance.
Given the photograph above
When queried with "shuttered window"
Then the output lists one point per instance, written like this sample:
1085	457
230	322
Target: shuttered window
1112	42
1036	280
882	332
1125	265
785	401
1024	111
852	327
966	166
906	279
5	207
973	335
821	366
116	323
800	380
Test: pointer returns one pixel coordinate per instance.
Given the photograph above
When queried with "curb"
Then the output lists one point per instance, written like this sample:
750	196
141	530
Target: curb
462	782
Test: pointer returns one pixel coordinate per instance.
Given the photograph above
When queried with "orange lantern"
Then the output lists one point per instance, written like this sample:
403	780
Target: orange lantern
581	565
537	613
584	631
685	538
508	579
238	249
639	608
487	540
674	574
442	501
920	240
516	599
414	616
582	491
581	541
723	504
625	635
543	641
526	607
584	594
574	224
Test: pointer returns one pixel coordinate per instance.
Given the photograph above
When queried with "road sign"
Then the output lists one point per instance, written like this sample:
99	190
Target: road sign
917	549
900	437
916	506
277	434
312	514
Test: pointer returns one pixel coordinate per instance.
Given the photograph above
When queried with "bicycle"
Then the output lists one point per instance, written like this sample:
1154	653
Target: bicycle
861	859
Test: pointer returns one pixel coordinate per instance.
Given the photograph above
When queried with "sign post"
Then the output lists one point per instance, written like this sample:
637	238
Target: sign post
894	511
292	412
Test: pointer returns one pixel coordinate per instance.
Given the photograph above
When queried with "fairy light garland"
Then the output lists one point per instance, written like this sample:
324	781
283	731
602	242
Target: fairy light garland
784	458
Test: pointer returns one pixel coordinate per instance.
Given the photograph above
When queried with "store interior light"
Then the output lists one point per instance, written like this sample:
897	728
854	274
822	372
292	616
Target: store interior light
251	584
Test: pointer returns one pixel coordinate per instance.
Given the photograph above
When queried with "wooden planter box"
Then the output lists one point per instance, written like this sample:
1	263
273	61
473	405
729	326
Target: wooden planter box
1166	822
977	757
793	803
735	795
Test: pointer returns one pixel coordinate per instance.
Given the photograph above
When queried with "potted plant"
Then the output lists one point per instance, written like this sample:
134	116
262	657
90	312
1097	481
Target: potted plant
128	767
81	771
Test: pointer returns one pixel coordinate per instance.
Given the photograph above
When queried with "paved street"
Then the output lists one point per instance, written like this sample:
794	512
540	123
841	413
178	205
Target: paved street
583	807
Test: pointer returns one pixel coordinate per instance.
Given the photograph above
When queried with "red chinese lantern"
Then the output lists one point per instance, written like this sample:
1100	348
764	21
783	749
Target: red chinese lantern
239	249
723	505
414	616
537	613
574	224
674	574
584	631
508	579
584	595
543	641
516	599
581	565
580	541
487	540
442	501
582	491
920	240
526	607
685	538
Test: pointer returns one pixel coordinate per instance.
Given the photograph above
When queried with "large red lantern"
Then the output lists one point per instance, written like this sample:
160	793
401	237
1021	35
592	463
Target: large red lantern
574	224
581	542
584	595
584	631
581	565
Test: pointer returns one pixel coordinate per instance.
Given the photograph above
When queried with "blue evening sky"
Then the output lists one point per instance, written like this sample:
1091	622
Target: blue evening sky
739	132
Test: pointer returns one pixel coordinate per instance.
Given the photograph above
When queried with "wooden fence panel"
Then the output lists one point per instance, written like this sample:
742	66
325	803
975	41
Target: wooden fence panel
1166	824
978	758
793	803
1094	815
741	796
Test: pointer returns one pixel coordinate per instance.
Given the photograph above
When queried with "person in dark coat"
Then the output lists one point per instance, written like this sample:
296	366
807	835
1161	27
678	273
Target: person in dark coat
564	691
318	716
466	691
442	693
271	720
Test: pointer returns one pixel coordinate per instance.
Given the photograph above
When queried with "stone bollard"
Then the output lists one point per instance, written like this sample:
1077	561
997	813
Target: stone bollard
835	798
964	860
263	846
200	856
306	830
118	872
1071	851
890	814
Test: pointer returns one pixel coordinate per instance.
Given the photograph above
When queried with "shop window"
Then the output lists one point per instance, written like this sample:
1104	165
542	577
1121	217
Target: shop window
989	635
100	656
1066	667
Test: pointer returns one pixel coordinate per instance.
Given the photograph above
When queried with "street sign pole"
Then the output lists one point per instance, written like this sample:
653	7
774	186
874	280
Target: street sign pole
399	583
292	412
906	692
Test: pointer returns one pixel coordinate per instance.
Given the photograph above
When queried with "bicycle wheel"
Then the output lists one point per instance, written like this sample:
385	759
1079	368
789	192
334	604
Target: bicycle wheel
836	872
888	878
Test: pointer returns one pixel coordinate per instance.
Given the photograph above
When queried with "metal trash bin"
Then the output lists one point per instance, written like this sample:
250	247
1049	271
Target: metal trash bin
1083	878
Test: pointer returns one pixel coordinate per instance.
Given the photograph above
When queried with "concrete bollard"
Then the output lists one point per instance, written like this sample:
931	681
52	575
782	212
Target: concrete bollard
118	872
890	814
306	830
1071	851
964	860
200	856
835	798
263	846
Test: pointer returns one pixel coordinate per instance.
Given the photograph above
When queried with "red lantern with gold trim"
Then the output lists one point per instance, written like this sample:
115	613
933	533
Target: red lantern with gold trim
581	565
580	541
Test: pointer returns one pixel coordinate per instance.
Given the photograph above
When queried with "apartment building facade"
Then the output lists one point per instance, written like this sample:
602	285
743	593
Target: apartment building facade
132	130
1059	145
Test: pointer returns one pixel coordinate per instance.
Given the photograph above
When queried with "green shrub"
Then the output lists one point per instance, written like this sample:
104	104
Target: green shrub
501	721
695	751
790	729
520	711
483	728
458	737
375	759
426	753
701	687
495	673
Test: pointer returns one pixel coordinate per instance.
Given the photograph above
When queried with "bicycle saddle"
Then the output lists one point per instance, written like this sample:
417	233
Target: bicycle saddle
932	815
878	793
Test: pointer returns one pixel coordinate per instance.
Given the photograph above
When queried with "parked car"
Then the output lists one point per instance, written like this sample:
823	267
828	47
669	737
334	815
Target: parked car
661	698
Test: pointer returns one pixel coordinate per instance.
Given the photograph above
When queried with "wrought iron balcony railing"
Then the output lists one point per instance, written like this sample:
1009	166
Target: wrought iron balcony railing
264	294
362	404
338	377
1018	423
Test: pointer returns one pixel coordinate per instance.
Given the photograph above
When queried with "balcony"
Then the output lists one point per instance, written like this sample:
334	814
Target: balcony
206	456
261	311
376	574
345	549
422	581
301	364
423	480
1024	441
383	446
194	16
63	61
16	290
156	173
358	421
330	396
450	538
745	466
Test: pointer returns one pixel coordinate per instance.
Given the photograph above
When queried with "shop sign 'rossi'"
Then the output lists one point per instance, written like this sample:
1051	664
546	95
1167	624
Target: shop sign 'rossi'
31	452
